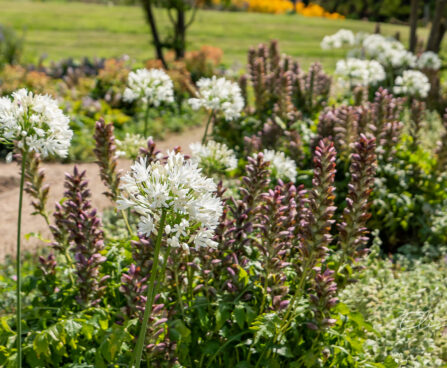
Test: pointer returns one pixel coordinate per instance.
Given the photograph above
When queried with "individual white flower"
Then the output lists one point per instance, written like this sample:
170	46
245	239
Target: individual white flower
152	87
358	72
281	166
412	83
337	40
219	94
178	188
130	146
213	155
429	60
34	123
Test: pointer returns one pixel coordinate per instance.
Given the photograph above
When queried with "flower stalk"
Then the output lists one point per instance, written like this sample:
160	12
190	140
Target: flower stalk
151	292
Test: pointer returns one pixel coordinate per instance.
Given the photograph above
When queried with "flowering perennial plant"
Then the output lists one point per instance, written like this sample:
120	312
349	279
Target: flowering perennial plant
213	156
337	40
178	189
412	83
150	87
281	166
357	72
429	61
34	123
106	155
219	95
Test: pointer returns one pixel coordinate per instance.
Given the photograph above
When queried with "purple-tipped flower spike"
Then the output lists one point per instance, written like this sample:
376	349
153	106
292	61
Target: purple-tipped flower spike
106	156
79	221
417	120
35	187
276	221
323	298
47	266
352	229
317	223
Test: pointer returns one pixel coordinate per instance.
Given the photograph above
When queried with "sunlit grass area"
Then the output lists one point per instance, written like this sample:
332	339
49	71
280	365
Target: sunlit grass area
58	30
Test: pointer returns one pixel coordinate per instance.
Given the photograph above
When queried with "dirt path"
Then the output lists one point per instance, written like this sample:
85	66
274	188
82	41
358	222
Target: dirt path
54	172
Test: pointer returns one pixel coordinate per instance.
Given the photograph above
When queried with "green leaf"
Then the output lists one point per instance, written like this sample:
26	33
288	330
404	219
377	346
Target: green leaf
390	363
239	315
211	347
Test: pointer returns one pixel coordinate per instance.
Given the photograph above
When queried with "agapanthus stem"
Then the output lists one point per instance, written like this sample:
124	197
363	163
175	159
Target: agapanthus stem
151	292
206	128
19	266
146	120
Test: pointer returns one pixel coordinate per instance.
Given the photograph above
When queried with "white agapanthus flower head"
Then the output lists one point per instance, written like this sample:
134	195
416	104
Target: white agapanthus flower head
337	40
358	72
388	51
281	166
219	95
151	87
429	60
34	123
214	155
178	188
412	83
130	146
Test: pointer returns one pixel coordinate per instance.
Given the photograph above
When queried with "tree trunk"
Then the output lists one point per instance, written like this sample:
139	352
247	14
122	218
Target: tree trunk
147	5
435	39
180	34
413	24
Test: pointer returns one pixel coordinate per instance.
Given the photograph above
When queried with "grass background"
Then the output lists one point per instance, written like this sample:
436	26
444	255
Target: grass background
71	29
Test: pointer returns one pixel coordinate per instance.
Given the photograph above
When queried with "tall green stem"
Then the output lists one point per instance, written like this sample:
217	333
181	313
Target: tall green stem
19	266
146	120
206	128
151	292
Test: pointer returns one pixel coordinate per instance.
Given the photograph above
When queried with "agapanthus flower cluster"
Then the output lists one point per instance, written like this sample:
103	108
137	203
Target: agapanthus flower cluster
213	154
412	83
130	146
178	190
337	40
357	72
429	60
34	123
152	87
388	51
281	166
219	94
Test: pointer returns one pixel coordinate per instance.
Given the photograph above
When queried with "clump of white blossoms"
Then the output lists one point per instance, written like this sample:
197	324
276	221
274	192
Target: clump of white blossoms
412	83
177	190
358	72
429	60
219	95
213	155
151	87
337	40
281	166
34	123
130	146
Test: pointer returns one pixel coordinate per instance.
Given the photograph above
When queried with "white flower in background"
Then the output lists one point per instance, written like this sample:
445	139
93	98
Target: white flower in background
412	83
429	60
337	40
152	87
34	123
281	166
130	146
397	58
180	189
358	72
219	94
214	155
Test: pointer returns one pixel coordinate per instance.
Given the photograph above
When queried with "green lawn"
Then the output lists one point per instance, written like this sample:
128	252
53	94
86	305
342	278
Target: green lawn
76	29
